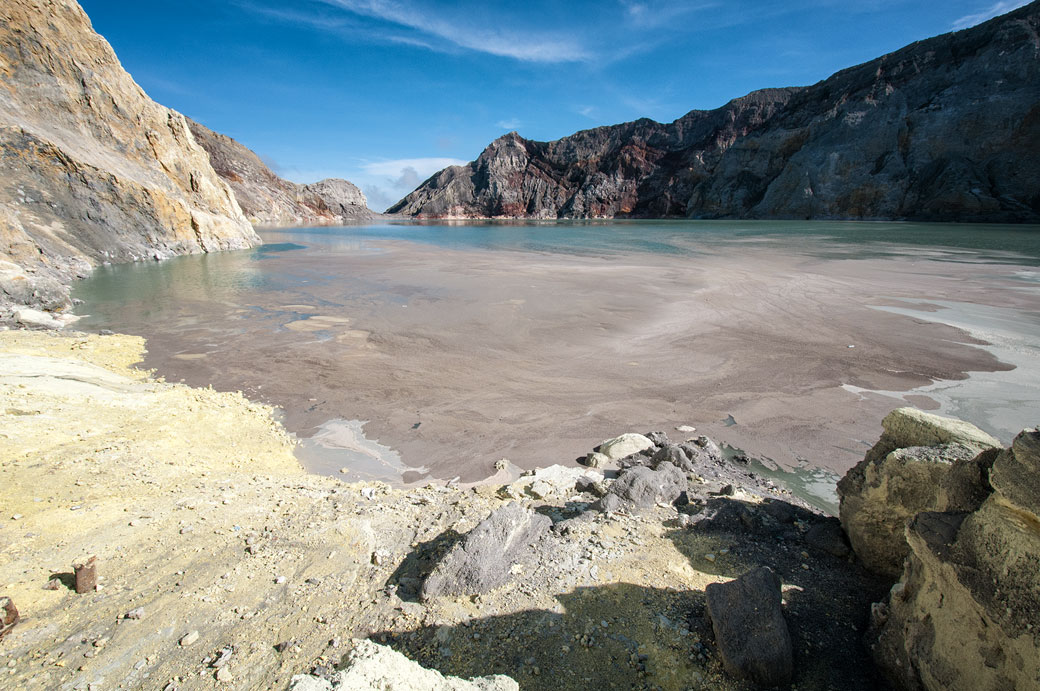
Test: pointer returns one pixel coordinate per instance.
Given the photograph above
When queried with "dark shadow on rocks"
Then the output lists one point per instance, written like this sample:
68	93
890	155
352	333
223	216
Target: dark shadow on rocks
65	578
652	639
408	577
558	514
826	598
624	636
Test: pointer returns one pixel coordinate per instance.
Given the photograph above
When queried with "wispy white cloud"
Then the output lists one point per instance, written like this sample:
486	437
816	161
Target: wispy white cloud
510	124
649	14
994	10
385	182
422	166
531	46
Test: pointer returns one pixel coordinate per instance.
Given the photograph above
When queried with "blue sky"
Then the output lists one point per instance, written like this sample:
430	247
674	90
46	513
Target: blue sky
386	92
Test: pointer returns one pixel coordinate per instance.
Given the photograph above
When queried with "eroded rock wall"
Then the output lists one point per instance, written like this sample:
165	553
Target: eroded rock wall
268	199
92	169
965	616
922	462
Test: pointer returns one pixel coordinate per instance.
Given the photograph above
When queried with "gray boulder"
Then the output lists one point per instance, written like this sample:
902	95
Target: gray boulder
750	630
658	438
674	454
702	451
642	487
482	561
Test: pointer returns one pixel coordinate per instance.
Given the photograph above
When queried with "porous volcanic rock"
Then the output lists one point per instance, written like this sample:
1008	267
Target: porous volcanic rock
92	169
942	130
641	487
268	199
923	462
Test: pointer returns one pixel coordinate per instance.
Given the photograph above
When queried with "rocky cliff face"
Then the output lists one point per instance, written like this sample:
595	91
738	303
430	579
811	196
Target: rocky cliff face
92	170
944	129
268	199
963	613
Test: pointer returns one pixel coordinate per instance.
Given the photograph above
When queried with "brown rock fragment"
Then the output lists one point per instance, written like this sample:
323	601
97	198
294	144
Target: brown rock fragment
9	617
86	575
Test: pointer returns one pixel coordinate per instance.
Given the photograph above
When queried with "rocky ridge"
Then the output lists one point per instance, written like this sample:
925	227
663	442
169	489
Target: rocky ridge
941	130
93	170
268	199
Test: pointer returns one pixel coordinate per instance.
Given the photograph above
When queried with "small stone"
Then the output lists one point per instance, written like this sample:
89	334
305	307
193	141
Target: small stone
86	575
280	580
101	642
189	638
223	658
135	614
224	675
16	517
8	617
710	557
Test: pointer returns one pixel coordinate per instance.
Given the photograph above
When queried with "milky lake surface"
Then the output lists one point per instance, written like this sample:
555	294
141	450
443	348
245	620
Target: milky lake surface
406	351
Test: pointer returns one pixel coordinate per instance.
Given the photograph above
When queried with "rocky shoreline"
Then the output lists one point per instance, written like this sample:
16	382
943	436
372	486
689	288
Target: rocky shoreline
220	562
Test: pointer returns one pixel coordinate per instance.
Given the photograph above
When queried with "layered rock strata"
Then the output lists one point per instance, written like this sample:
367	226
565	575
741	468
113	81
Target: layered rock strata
923	462
942	130
93	170
268	199
965	615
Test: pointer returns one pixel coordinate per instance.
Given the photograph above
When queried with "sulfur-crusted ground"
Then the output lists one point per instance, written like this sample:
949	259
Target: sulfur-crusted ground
202	521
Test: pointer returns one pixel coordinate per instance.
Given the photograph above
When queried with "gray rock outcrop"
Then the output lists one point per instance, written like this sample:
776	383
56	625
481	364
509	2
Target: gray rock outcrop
965	616
923	462
943	129
92	169
268	199
641	487
483	559
750	631
373	666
